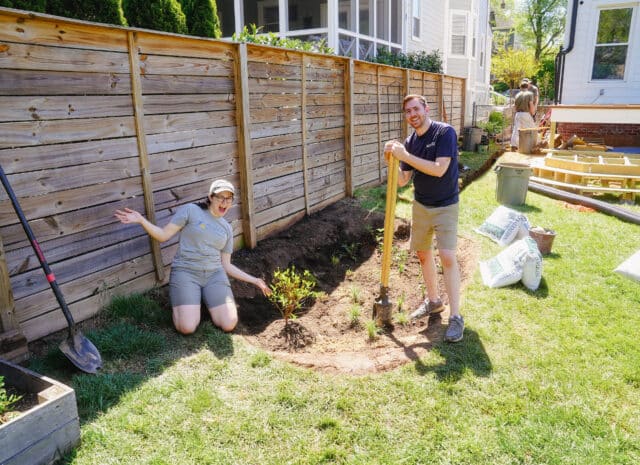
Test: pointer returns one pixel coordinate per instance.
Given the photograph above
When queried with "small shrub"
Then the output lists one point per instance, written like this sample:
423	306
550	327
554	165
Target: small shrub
99	11
202	18
423	61
253	35
372	330
6	400
290	290
355	295
159	15
401	318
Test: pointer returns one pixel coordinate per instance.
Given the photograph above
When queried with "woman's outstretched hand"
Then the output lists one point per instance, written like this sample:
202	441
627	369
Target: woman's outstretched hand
128	215
266	290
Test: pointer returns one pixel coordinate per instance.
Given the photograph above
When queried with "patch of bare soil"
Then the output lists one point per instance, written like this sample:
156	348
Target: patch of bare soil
340	246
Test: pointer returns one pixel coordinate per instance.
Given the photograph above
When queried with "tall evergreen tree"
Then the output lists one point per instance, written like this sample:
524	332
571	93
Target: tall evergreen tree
100	11
202	18
28	5
159	15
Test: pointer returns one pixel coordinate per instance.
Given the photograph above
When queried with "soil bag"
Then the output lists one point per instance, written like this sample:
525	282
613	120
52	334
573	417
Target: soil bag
521	261
505	225
630	267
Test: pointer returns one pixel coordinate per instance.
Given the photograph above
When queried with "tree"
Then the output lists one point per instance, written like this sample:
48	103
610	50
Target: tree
159	15
542	25
100	11
29	5
202	18
511	65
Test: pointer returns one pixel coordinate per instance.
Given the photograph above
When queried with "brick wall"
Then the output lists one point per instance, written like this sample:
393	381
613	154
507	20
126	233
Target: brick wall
621	135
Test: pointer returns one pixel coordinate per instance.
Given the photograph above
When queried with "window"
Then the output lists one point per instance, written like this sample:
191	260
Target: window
415	31
458	34
612	42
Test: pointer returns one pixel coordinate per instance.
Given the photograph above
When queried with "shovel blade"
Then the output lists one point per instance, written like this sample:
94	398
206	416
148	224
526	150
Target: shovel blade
82	353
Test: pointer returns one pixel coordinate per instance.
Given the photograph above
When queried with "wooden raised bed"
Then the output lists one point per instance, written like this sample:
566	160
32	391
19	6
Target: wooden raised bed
44	433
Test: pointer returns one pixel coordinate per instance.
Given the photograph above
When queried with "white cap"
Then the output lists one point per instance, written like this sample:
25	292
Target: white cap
221	185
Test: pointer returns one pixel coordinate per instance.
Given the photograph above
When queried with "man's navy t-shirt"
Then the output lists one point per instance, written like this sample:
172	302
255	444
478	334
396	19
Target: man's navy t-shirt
440	140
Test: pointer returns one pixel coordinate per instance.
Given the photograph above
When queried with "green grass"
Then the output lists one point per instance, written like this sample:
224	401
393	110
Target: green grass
544	377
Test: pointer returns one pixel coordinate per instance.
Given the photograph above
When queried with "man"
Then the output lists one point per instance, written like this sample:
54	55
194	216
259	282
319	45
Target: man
524	109
430	154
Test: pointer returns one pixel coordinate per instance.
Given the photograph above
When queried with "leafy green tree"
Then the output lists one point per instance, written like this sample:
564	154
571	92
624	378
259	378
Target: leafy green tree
100	11
159	15
28	5
202	18
511	65
541	26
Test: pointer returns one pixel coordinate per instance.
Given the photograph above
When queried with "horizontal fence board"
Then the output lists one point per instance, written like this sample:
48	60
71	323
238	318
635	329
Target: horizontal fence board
176	65
28	82
180	84
38	108
156	124
187	103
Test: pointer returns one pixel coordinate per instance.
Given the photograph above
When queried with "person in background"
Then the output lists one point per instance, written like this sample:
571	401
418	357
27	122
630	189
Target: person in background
430	157
200	267
524	109
536	94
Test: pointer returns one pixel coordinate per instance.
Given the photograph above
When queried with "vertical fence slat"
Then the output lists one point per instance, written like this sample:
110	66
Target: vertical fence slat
380	178
349	145
406	90
243	125
13	344
303	122
138	113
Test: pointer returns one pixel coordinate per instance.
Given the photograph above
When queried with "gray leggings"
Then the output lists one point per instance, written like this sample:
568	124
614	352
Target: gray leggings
190	287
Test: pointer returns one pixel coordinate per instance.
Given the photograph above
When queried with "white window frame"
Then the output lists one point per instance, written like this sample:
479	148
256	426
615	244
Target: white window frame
416	15
465	20
629	43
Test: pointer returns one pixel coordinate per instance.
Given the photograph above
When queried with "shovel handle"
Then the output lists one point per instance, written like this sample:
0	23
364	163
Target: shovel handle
389	219
36	248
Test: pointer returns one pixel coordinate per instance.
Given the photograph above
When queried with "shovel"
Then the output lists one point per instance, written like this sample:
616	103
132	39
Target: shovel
82	353
382	308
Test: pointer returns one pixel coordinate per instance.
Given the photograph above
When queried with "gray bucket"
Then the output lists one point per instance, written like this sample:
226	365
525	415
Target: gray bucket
512	183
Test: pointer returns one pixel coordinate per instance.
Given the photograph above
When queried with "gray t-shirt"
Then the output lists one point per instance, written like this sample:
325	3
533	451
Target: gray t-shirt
202	238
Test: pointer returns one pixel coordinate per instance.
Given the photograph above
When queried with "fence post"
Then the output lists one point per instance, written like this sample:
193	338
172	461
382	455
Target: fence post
379	124
406	91
243	123
303	122
13	344
143	154
348	125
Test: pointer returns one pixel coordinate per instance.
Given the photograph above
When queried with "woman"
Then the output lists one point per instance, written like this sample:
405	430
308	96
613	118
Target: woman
203	260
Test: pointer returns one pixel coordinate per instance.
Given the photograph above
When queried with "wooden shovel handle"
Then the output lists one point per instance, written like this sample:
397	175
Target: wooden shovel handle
389	219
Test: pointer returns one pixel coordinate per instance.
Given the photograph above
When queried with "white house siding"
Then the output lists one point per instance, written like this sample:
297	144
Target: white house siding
433	27
578	87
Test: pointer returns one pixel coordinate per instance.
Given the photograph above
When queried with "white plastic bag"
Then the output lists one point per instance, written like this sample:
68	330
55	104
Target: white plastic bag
505	225
521	261
630	267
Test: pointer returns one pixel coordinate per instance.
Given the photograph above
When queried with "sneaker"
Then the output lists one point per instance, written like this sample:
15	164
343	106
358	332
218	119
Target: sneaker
425	308
455	329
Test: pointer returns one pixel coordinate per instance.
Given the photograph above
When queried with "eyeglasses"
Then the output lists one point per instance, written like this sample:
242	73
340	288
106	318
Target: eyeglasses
223	199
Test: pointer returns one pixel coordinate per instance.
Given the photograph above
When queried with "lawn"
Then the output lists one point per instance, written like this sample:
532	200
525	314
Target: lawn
544	377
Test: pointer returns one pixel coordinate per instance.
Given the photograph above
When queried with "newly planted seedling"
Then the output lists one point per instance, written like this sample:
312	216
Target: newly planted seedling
290	290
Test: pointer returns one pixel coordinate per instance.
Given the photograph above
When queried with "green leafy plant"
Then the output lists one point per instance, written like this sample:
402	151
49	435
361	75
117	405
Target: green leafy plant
423	61
6	400
252	34
401	318
372	330
401	256
290	290
355	294
495	124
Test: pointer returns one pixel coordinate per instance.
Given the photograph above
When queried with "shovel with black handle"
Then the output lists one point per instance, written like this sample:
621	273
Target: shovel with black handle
77	348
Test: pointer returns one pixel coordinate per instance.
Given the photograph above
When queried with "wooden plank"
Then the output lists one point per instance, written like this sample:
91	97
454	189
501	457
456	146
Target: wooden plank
157	124
8	321
181	84
304	130
184	103
243	127
39	57
53	132
38	108
143	155
165	142
28	82
177	65
159	43
36	28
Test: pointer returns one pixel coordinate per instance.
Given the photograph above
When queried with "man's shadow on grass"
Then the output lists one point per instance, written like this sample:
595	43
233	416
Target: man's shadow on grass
468	354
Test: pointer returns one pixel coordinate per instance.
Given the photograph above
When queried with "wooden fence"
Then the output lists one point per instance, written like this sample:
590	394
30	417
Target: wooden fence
94	118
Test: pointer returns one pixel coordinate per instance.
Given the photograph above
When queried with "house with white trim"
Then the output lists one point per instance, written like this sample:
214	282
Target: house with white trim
458	29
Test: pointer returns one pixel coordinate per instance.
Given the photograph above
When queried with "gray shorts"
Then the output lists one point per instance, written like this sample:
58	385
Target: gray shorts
189	287
441	220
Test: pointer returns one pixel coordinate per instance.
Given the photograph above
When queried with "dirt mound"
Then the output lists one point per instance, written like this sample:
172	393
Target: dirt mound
340	245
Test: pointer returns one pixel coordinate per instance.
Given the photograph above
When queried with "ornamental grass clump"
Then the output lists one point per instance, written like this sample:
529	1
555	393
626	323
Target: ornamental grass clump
290	290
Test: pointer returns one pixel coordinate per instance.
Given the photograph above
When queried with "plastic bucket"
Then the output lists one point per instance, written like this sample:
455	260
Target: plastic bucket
528	139
544	238
512	183
472	137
